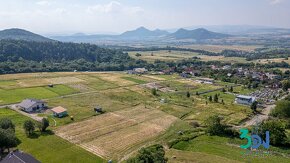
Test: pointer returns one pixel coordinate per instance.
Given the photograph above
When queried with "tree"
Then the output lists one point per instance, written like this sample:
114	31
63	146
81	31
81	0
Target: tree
151	154
254	106
223	101
187	94
214	125
216	98
154	91
231	89
282	109
196	93
6	123
223	90
43	125
8	138
277	132
210	98
29	127
285	85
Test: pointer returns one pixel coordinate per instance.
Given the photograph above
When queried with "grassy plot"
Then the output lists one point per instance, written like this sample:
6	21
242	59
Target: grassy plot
178	156
6	84
48	147
81	106
62	90
138	81
17	95
95	82
223	147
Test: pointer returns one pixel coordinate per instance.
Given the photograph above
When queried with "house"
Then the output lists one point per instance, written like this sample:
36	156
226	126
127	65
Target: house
32	105
18	156
59	112
245	100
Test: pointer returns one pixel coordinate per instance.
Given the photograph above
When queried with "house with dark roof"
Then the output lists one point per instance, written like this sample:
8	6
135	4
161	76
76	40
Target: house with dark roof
18	156
32	105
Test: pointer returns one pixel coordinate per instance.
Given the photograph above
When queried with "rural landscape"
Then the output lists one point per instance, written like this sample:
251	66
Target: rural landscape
203	93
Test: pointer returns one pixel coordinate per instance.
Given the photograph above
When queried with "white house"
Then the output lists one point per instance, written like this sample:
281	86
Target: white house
32	105
245	100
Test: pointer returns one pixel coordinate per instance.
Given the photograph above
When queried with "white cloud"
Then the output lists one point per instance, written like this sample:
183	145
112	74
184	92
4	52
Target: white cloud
275	2
114	7
43	3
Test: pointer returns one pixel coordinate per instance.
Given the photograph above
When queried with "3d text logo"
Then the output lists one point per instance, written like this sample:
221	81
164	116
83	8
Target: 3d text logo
254	141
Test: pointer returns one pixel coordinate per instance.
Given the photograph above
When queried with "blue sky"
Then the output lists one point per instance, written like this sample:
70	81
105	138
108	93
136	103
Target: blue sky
98	16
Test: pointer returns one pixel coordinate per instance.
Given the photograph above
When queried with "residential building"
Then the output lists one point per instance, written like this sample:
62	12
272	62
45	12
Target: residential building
18	156
59	112
245	100
32	105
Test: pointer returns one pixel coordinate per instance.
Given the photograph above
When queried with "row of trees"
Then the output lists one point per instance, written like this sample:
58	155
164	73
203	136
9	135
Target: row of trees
29	126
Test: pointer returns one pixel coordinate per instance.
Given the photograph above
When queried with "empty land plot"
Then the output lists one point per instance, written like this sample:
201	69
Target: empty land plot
17	95
113	134
277	60
115	78
95	82
163	55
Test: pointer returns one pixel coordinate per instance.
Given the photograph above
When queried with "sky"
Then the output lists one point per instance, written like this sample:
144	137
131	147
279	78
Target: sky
115	16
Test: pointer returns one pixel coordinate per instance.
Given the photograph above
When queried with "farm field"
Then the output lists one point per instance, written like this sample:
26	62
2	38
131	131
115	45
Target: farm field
163	55
133	117
111	135
219	48
48	147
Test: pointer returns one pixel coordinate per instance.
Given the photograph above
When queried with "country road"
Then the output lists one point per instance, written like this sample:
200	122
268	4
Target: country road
260	117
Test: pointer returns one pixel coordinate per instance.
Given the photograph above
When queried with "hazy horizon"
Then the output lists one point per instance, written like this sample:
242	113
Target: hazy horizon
50	17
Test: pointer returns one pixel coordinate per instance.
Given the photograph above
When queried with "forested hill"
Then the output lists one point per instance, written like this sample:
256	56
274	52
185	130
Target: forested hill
25	56
57	52
20	34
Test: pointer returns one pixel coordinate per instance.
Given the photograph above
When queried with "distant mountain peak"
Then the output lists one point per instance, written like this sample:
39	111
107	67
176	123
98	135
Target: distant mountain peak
143	32
196	34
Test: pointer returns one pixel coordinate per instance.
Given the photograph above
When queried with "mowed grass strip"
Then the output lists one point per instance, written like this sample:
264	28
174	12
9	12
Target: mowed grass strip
62	90
17	95
138	81
178	156
48	147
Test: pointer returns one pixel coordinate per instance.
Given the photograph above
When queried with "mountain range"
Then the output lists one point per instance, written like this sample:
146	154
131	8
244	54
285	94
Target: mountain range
143	33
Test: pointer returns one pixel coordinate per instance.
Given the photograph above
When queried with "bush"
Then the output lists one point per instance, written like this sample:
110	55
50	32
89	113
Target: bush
151	154
194	124
282	109
215	126
154	92
277	132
